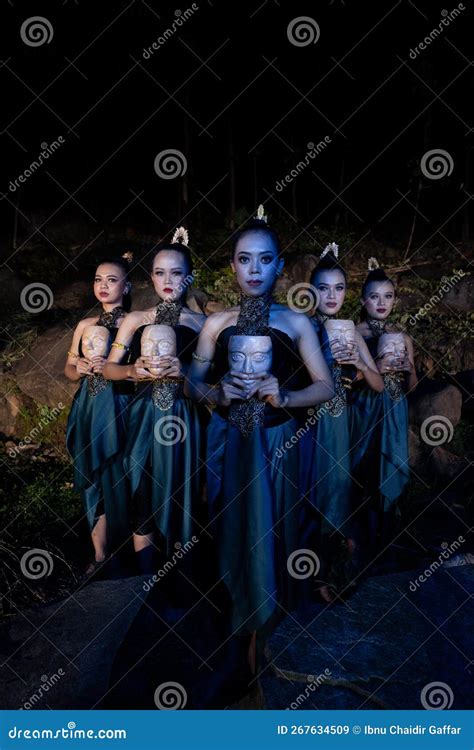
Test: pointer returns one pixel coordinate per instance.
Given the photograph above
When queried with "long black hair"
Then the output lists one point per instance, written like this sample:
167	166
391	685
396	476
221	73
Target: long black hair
124	266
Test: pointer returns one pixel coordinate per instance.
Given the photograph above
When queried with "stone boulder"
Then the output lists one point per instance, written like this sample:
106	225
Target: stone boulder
39	374
71	644
460	297
362	655
465	382
301	269
75	296
435	399
10	405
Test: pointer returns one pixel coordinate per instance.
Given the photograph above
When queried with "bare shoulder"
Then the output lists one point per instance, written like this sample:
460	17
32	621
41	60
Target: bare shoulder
137	318
297	321
85	322
216	322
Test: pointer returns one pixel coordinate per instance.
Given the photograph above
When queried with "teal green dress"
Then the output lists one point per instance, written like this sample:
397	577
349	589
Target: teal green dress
95	439
325	450
254	498
164	455
379	436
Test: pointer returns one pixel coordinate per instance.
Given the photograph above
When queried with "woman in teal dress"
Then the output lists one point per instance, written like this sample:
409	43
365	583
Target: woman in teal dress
252	475
326	463
380	425
164	448
96	425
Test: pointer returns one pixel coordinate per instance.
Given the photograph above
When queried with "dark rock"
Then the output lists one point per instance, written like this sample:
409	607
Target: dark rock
11	286
381	647
79	636
465	382
301	269
460	296
39	374
75	296
415	451
435	399
10	405
444	464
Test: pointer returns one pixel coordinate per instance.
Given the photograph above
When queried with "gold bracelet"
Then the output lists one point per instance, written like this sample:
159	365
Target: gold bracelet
73	354
119	346
199	358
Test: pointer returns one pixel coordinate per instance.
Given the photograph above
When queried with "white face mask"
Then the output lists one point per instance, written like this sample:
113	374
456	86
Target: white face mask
250	354
156	341
95	341
341	331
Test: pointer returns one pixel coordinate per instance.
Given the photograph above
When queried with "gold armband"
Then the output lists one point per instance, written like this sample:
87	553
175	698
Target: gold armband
73	354
120	346
198	358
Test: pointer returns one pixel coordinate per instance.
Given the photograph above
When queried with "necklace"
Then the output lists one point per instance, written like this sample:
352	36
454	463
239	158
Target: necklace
377	327
253	320
96	382
165	390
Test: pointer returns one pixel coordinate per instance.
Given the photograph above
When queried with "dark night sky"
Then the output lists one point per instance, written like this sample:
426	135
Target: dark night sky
117	110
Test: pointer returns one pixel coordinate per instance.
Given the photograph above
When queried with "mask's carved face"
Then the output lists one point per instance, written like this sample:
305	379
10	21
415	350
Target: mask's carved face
156	341
392	345
341	331
95	341
250	354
